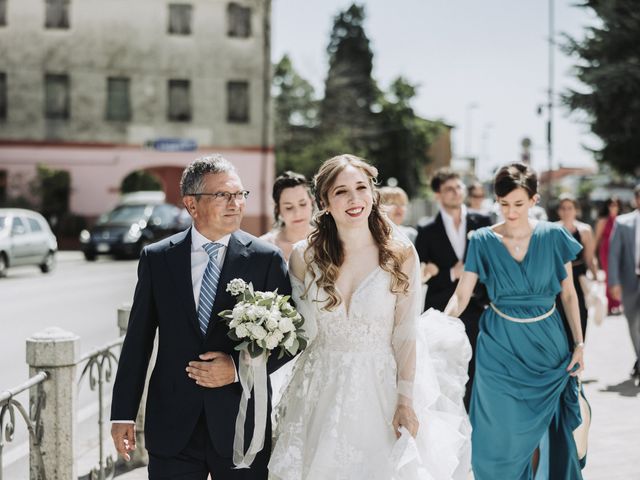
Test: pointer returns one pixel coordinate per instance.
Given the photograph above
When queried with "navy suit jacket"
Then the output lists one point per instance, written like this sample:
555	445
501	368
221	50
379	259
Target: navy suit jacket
163	300
433	245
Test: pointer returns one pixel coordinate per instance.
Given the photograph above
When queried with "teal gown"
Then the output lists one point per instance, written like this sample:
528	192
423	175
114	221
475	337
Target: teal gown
522	392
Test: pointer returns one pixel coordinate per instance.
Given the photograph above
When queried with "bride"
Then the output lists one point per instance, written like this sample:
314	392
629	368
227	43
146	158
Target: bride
378	392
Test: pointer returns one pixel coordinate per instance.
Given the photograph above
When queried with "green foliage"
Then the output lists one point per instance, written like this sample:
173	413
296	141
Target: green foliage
53	188
140	181
405	138
609	67
354	116
350	102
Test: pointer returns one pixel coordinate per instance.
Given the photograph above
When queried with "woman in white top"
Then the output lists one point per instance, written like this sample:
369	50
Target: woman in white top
293	208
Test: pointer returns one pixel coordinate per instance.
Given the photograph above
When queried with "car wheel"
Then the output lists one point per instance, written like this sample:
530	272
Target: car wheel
49	263
90	256
3	265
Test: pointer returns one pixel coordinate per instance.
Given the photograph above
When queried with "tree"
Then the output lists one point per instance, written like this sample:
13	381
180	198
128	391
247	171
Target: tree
610	69
295	119
350	91
405	138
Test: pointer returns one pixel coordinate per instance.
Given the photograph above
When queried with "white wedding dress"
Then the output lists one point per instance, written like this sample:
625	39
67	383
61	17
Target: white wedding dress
334	419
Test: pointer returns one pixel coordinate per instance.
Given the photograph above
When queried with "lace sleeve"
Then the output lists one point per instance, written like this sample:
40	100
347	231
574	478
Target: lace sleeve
297	274
408	307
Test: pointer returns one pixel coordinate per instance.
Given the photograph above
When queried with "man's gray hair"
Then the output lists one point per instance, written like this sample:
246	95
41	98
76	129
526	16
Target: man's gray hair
192	180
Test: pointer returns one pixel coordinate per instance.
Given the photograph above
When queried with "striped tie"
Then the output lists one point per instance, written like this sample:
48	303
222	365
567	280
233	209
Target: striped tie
209	286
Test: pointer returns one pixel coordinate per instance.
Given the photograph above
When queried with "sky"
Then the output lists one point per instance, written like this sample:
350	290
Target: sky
481	66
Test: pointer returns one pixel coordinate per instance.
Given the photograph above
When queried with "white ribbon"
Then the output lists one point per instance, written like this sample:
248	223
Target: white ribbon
253	375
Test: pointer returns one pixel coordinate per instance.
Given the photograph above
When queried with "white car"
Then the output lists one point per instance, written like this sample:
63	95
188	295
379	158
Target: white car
25	239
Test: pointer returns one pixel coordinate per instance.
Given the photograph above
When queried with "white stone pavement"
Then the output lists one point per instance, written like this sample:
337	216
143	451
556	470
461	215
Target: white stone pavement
614	448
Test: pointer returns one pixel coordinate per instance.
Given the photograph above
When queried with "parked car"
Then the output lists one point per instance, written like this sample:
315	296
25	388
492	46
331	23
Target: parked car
26	239
128	228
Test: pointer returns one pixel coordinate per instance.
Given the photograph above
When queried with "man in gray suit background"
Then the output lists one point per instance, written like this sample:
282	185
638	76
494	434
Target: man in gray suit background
624	273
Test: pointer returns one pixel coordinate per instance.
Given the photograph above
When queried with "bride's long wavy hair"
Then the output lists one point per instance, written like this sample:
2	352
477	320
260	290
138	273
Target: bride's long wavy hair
325	249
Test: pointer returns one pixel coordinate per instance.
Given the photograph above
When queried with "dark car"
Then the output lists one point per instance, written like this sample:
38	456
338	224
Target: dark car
128	228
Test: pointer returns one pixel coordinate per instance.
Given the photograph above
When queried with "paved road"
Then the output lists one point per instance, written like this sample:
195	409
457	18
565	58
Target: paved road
80	297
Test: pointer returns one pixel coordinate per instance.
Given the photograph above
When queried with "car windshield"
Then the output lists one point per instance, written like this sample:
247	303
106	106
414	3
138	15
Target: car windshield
126	214
3	222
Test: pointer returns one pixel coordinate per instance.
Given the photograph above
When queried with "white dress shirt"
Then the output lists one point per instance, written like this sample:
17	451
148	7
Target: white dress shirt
457	236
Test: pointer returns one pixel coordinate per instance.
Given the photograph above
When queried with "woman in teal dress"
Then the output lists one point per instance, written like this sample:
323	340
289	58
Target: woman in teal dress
524	404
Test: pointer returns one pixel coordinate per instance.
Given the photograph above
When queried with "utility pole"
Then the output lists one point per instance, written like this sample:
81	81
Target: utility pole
550	103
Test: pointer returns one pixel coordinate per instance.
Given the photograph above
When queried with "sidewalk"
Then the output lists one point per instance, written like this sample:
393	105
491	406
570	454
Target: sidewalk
614	438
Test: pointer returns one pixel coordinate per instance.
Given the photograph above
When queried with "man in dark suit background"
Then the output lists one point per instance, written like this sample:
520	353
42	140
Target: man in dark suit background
441	246
193	397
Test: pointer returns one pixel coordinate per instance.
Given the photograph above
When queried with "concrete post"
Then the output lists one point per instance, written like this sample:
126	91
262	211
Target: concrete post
56	351
139	456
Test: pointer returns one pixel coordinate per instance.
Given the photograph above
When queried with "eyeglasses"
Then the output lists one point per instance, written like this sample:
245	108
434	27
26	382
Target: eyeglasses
220	197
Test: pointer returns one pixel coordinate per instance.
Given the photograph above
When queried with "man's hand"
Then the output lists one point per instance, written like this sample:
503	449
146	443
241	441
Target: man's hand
616	292
428	270
124	438
456	271
216	370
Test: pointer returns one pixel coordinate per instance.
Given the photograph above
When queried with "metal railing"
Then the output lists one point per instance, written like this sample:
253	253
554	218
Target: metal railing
99	368
33	420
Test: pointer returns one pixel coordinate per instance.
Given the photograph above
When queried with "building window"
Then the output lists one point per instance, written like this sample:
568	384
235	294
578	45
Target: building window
3	12
3	95
57	14
238	102
180	15
179	101
56	96
238	21
118	103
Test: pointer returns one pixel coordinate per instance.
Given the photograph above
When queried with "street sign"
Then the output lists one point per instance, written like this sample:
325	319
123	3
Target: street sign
174	144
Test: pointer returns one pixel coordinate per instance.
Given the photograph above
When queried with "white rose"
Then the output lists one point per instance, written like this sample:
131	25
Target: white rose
257	332
236	286
242	331
271	324
271	342
286	325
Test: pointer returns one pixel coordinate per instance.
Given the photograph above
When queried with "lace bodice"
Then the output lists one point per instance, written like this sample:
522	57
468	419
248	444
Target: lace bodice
364	325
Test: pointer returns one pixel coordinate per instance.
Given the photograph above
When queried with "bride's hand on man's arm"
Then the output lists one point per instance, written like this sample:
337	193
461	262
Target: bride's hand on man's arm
405	417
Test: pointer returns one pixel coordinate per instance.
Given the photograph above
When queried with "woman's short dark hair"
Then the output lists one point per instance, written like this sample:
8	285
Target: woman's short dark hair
288	179
515	175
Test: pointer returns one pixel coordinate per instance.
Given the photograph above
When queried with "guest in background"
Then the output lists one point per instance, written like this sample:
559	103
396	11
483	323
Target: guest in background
607	217
624	273
476	199
568	211
395	201
293	209
441	246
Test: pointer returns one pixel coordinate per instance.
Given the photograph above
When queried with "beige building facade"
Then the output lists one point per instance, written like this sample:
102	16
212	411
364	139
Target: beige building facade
103	88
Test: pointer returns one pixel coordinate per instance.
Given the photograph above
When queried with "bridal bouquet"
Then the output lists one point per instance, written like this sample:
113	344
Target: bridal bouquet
262	322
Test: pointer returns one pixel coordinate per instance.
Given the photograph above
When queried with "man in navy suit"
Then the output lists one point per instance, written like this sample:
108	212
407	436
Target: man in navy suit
193	397
443	242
